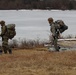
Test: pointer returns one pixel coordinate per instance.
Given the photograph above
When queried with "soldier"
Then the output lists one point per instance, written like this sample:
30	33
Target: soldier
57	27
4	35
55	33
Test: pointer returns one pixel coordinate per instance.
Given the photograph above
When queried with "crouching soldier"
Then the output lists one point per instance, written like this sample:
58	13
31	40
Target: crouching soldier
57	27
4	35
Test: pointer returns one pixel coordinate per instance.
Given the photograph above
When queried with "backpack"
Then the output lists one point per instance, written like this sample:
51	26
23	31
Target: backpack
63	27
10	28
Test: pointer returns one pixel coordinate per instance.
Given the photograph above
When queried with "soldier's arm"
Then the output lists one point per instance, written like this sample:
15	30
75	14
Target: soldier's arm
3	30
53	30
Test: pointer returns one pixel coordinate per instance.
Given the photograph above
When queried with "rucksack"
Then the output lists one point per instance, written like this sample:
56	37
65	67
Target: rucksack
63	27
10	28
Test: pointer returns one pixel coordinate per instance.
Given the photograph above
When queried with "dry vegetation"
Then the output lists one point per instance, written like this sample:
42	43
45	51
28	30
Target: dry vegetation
38	61
32	58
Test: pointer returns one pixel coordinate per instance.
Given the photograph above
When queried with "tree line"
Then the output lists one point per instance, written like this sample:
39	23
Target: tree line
38	4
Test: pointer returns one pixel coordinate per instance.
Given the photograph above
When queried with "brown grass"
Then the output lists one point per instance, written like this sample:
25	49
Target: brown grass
38	62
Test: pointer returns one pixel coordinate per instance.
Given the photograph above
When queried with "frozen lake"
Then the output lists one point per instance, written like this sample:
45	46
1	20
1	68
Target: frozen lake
33	24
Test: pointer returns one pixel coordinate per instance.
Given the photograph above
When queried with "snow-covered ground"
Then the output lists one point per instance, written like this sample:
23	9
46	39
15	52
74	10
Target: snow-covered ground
33	24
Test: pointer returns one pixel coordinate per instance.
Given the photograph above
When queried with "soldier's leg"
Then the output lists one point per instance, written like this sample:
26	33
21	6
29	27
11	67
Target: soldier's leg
4	47
55	44
9	49
52	40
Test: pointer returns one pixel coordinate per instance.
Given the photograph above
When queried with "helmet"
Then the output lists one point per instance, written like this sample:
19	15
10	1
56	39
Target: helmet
50	20
2	22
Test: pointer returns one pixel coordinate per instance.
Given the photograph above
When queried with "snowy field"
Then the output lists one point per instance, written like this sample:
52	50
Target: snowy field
33	24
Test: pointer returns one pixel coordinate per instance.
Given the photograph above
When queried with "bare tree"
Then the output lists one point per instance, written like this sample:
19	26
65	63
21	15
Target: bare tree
37	4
